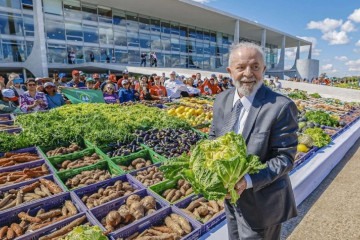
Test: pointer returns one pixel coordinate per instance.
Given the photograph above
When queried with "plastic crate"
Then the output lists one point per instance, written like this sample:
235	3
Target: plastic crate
205	227
158	219
55	161
134	173
160	187
95	187
109	147
103	165
83	144
9	119
305	157
100	212
33	150
48	230
8	217
146	154
23	166
20	185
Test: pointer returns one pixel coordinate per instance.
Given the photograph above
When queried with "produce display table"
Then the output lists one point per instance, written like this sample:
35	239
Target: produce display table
307	176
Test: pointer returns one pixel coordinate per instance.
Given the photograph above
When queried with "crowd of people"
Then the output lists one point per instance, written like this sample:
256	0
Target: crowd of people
40	94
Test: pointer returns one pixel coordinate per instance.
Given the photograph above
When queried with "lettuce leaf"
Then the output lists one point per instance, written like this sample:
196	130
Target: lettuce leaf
215	166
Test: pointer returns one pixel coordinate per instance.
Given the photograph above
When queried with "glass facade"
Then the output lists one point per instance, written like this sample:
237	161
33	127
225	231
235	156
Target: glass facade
112	35
16	30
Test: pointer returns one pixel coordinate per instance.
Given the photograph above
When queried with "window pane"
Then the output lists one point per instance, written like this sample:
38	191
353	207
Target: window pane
175	44
53	7
199	34
206	36
119	18
57	53
133	39
28	25
79	55
132	21
10	3
192	33
105	14
134	57
13	51
155	25
72	9
106	35
145	41
106	55
155	42
175	29
165	27
55	30
144	23
120	38
166	43
27	4
121	56
175	60
213	37
95	51
91	34
199	48
11	24
183	31
89	12
74	31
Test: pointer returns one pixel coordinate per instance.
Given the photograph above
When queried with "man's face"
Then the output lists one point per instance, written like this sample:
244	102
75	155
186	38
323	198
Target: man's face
90	85
220	76
2	80
247	69
126	76
76	77
198	76
172	76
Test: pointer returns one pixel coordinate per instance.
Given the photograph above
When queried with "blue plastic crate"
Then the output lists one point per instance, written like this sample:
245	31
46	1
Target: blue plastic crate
134	173
158	219
205	227
48	230
100	212
93	188
20	185
6	218
305	157
32	150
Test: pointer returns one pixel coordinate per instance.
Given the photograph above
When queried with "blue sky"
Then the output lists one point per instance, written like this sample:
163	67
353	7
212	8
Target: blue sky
333	26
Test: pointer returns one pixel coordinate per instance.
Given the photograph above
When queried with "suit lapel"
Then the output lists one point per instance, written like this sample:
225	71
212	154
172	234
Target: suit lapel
229	103
254	111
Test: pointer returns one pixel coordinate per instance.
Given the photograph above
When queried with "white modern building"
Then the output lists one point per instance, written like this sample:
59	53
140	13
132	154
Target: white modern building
37	36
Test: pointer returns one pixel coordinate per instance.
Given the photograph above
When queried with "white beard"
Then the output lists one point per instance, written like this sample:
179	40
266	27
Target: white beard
246	89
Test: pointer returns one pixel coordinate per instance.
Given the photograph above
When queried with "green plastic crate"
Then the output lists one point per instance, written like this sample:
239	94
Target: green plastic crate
54	161
160	187
103	165
83	144
146	154
163	159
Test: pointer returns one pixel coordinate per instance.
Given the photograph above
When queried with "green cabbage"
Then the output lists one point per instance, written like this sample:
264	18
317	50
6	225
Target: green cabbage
215	166
85	232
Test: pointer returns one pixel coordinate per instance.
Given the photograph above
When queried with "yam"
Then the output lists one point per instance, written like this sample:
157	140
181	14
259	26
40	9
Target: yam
17	229
3	231
195	204
148	202
185	225
174	226
71	208
10	234
170	195
113	218
133	198
137	210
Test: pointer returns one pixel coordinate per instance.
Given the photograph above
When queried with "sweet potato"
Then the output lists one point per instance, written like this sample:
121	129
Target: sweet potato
17	229
3	231
195	204
30	188
5	200
185	225
53	188
50	214
71	208
25	216
10	234
174	226
45	190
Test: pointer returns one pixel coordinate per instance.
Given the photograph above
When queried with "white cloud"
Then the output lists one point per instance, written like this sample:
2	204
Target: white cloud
354	65
356	50
355	16
325	25
348	26
290	53
357	43
335	37
202	1
328	66
341	58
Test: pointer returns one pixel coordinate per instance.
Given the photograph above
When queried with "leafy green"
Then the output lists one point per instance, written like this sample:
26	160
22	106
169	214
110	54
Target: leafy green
97	123
298	95
322	118
319	137
85	232
215	166
315	95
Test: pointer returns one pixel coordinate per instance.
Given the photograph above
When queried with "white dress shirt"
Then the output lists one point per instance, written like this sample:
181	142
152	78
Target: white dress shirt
244	113
174	88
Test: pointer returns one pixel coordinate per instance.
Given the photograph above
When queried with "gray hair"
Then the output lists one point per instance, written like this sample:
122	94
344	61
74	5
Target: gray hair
235	47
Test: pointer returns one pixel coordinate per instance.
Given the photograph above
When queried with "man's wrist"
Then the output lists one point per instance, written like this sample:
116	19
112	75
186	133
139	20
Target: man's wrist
248	181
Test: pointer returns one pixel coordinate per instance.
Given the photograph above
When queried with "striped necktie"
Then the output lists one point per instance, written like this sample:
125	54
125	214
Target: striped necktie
232	119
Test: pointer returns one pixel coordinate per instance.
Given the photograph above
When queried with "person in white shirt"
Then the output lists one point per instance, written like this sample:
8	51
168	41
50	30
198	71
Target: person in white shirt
191	89
174	87
277	83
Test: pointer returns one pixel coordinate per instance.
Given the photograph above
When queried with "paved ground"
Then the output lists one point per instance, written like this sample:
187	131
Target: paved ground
332	211
343	94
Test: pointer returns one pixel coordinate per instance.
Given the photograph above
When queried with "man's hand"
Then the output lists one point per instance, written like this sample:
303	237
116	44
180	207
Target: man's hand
240	186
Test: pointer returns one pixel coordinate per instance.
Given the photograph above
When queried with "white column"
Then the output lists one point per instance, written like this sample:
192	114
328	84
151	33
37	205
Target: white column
237	32
310	52
263	39
37	60
281	64
297	51
24	74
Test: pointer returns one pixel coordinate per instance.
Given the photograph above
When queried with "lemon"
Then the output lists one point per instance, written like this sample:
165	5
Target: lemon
302	148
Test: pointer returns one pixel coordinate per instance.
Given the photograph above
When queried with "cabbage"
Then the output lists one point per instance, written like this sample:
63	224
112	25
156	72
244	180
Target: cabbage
85	232
215	166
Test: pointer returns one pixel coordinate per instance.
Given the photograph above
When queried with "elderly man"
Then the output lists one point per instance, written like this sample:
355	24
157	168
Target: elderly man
268	123
174	87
